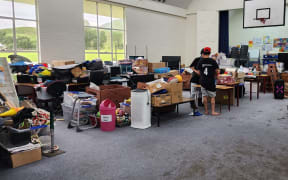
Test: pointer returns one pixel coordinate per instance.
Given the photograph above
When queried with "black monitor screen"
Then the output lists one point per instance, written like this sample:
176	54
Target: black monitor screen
135	57
283	57
173	62
115	71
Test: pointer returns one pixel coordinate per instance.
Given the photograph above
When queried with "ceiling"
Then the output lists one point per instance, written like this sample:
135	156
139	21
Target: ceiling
178	3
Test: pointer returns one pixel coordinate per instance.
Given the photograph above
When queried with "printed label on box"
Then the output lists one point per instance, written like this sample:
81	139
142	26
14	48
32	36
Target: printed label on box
106	118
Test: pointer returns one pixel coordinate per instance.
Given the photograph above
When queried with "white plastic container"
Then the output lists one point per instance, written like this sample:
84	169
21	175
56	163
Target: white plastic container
140	109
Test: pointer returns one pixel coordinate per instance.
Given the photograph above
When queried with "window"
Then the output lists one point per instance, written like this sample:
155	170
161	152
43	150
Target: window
18	29
104	26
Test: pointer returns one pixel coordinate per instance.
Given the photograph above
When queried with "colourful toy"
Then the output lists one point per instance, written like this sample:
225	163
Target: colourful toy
180	79
11	112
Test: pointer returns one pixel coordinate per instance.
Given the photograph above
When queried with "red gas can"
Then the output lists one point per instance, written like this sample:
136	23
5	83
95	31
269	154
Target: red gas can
108	115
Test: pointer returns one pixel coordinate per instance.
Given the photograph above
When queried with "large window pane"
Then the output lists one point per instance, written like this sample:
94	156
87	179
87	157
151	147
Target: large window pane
90	13
91	38
105	40
6	54
90	57
117	57
117	17
25	9
104	15
33	56
26	35
118	41
106	57
6	35
6	8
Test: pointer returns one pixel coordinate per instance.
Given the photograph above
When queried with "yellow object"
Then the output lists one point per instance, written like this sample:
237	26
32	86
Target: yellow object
45	73
11	112
180	79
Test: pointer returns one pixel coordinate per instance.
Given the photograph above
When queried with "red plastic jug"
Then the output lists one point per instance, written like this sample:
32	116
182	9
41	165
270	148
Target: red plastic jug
108	115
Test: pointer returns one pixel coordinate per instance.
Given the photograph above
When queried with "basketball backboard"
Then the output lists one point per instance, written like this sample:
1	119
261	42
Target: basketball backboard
264	13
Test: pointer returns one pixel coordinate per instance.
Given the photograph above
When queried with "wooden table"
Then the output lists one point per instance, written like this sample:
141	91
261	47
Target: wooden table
155	108
225	89
252	80
238	89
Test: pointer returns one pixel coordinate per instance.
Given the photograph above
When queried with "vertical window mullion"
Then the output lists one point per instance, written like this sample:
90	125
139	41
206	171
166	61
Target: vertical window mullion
124	24
38	35
14	29
97	29
112	48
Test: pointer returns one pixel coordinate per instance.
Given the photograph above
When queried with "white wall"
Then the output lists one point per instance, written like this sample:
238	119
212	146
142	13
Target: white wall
164	35
201	5
61	30
238	35
207	30
191	39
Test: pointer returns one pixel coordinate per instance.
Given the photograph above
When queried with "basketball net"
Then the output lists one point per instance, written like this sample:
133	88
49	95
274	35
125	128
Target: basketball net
262	20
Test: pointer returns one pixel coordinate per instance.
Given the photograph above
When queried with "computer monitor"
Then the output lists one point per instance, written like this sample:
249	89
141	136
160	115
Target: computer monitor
173	62
283	57
135	57
115	71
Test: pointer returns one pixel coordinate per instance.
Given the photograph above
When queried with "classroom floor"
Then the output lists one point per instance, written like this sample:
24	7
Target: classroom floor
248	143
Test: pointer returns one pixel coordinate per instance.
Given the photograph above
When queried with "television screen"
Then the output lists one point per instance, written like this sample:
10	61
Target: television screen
173	62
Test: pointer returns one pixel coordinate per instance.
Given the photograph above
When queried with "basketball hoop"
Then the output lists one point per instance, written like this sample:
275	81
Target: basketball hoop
262	20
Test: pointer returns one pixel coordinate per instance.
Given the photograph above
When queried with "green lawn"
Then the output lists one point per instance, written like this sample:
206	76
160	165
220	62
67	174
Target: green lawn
33	56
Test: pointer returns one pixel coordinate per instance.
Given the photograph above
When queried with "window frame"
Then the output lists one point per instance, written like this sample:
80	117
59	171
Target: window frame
98	28
14	19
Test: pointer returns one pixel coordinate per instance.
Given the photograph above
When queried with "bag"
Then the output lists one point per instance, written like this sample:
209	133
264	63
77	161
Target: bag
279	89
94	65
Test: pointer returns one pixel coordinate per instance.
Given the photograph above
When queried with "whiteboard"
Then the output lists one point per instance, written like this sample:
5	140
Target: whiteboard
7	87
272	11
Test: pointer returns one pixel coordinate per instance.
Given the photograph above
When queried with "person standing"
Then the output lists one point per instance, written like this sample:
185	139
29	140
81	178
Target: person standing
208	69
195	92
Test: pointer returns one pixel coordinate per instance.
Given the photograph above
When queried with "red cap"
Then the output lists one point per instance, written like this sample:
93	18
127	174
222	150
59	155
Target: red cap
207	50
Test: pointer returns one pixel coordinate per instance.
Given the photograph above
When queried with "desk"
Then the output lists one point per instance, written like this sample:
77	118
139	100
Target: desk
234	85
184	100
251	80
225	89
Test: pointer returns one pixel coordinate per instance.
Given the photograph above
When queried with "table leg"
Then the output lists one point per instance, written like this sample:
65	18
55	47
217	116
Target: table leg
264	85
238	94
158	118
177	107
220	107
257	89
250	90
229	98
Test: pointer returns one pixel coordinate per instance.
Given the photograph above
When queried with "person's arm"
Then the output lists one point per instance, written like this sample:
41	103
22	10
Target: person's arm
196	71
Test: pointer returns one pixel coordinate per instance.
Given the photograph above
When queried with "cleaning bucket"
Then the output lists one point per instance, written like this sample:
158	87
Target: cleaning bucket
108	115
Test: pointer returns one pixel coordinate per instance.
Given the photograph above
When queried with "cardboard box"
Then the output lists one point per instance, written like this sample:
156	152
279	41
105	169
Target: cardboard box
222	97
176	92
26	157
56	63
186	81
161	100
167	75
158	86
152	66
141	62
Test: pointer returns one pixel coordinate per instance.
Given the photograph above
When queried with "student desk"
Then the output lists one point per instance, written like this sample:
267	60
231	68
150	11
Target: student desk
226	89
253	80
156	108
234	85
264	78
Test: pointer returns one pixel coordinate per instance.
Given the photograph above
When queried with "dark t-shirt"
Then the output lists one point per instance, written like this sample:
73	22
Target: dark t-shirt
195	77
207	68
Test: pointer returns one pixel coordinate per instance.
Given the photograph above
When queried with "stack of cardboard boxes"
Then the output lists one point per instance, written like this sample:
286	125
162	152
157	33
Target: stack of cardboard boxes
173	93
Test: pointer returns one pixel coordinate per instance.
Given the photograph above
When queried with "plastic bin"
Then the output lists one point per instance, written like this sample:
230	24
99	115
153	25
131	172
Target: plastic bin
18	136
108	115
162	70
